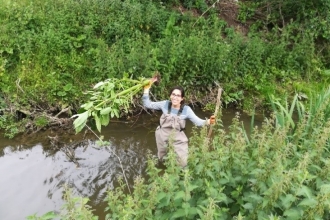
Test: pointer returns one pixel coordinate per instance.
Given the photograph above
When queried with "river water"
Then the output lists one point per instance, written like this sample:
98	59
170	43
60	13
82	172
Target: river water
34	169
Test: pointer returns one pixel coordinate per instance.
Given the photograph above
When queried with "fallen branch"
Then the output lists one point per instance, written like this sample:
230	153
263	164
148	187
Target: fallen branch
212	6
62	111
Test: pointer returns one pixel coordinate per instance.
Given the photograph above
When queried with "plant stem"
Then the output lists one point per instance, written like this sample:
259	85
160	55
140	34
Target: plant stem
216	110
133	88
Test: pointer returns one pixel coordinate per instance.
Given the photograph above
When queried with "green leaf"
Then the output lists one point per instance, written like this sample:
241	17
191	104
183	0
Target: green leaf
49	215
85	200
199	168
192	187
223	181
61	93
179	213
87	105
116	112
179	195
160	196
192	211
164	201
32	217
98	85
79	123
105	111
255	198
200	213
248	206
79	128
265	203
305	191
105	119
293	214
325	188
118	101
68	87
210	174
326	72
186	207
98	122
308	202
98	108
287	200
214	192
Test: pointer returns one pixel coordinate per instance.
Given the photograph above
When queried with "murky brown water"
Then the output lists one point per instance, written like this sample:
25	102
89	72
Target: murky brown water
33	173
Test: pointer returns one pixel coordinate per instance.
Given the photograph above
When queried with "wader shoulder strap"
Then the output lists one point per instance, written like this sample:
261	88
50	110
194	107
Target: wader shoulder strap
169	107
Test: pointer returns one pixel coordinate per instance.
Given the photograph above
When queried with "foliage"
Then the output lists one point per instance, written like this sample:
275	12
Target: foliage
75	208
274	171
52	51
107	101
62	48
279	170
11	125
306	19
46	216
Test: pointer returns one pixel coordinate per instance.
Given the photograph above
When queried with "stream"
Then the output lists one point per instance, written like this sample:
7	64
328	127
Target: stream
35	168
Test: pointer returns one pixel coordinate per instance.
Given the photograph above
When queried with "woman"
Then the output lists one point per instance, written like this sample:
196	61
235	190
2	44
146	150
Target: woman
172	123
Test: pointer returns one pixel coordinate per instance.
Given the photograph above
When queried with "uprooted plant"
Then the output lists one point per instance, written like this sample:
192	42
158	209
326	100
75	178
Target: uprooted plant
108	99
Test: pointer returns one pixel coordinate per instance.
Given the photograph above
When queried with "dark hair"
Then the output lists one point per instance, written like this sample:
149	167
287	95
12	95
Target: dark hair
178	88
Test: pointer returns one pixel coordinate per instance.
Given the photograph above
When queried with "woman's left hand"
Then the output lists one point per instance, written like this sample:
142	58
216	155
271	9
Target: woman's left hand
211	121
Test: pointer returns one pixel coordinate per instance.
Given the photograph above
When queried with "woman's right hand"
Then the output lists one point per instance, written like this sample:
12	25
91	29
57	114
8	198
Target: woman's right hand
155	78
148	85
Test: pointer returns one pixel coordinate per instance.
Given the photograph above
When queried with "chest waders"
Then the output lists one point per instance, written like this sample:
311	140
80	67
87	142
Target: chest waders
171	128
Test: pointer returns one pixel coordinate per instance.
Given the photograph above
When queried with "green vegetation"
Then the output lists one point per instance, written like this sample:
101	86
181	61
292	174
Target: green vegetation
75	208
108	99
278	171
53	51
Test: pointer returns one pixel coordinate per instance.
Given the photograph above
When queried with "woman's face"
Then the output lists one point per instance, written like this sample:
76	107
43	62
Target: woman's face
176	97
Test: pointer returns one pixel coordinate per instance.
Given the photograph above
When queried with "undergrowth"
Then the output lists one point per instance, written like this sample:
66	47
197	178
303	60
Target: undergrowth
279	170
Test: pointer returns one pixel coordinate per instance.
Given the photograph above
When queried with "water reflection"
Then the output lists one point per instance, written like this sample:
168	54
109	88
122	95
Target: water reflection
33	171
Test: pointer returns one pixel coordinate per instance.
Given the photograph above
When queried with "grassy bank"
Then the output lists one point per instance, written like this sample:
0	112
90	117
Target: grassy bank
51	52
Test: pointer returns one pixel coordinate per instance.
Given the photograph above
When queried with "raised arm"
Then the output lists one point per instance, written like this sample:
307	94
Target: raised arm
152	105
